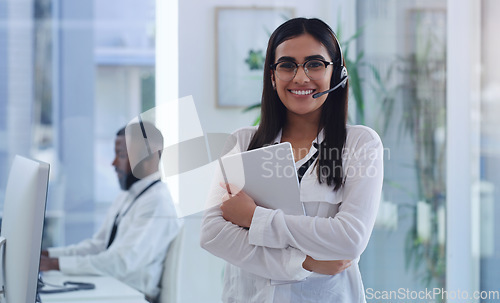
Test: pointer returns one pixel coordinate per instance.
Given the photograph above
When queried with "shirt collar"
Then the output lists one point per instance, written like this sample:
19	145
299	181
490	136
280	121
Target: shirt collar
319	138
278	137
140	185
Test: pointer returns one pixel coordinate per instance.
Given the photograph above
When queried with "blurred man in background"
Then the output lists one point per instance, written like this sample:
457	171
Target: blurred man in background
132	242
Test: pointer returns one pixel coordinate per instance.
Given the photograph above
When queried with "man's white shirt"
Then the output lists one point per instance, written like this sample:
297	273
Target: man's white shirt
137	253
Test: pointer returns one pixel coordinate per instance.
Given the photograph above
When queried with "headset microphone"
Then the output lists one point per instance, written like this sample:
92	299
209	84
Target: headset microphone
342	83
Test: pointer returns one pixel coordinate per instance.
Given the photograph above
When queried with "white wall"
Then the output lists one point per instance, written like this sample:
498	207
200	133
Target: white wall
463	125
201	273
490	144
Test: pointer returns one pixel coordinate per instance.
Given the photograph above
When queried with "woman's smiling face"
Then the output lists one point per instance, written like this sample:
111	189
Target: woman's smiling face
297	93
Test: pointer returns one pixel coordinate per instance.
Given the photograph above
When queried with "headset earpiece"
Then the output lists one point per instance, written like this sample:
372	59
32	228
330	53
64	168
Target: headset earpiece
339	75
340	71
343	75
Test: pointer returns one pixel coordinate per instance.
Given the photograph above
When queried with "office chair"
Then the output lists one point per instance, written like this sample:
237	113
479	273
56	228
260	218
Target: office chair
170	276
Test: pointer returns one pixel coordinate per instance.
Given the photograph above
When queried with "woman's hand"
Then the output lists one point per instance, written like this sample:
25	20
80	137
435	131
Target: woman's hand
325	267
238	208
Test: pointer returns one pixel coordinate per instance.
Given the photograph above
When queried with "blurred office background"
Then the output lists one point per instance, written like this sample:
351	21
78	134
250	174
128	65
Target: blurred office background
424	74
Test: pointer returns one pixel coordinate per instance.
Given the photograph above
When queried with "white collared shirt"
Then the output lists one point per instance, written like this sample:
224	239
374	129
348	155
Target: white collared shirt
265	262
139	248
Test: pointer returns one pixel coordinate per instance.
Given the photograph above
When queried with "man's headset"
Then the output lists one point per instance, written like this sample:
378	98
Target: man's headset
143	141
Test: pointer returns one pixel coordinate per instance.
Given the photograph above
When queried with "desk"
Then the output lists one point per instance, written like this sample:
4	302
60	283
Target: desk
107	290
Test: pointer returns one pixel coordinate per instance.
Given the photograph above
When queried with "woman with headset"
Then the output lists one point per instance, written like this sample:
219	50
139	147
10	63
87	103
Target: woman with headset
274	257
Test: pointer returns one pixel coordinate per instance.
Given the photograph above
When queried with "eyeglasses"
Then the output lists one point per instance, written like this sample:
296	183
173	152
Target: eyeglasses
315	69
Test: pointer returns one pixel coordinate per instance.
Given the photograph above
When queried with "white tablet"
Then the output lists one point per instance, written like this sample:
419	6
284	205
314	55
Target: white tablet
268	175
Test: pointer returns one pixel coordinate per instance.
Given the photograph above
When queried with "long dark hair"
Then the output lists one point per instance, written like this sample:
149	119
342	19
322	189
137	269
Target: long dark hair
333	112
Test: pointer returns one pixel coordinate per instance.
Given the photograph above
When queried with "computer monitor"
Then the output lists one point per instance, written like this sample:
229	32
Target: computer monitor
22	225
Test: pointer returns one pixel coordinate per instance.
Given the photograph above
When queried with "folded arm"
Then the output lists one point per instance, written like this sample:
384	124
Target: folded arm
343	237
230	242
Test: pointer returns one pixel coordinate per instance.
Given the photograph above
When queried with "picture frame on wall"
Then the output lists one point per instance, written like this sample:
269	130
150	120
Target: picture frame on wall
242	34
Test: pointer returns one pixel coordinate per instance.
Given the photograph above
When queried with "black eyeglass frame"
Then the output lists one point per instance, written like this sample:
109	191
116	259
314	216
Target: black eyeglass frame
326	63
